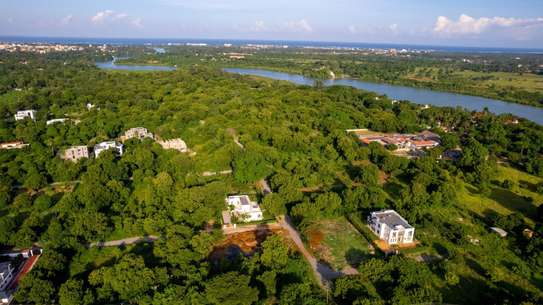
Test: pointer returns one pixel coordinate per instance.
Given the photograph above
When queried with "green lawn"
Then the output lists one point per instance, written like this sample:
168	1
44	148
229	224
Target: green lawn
337	242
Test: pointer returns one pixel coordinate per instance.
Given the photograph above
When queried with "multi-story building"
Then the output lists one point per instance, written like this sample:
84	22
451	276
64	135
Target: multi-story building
244	209
100	147
75	153
391	227
139	133
23	114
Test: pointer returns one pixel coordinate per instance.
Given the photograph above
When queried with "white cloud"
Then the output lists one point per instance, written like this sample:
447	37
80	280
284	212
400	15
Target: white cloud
393	27
112	16
66	20
301	25
469	25
259	26
352	29
137	22
100	17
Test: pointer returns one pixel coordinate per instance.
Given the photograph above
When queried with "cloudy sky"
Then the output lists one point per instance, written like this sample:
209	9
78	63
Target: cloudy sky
489	23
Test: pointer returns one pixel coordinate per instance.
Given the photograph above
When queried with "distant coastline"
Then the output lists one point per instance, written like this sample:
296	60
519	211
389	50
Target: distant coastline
278	43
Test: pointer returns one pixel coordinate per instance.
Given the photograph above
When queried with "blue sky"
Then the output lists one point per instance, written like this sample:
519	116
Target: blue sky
490	23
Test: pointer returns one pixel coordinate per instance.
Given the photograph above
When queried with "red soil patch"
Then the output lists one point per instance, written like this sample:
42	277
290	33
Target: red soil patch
246	243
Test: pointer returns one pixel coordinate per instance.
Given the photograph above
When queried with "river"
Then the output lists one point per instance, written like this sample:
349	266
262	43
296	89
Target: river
416	95
111	65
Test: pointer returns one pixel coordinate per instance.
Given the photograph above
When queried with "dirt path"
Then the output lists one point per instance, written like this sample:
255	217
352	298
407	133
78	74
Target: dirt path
125	241
323	273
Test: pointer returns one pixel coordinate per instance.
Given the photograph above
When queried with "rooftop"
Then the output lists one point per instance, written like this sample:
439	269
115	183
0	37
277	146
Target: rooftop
391	218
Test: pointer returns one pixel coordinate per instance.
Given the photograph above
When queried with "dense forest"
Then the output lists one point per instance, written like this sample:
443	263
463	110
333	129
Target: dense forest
293	136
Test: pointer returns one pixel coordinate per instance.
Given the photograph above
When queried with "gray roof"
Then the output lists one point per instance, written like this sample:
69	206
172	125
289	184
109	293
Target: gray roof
391	218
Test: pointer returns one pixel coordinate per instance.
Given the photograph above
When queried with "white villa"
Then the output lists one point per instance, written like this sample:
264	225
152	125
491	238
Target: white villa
100	147
244	208
139	133
391	227
75	153
23	114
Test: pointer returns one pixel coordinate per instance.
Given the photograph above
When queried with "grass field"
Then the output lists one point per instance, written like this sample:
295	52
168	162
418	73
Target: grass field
521	198
337	242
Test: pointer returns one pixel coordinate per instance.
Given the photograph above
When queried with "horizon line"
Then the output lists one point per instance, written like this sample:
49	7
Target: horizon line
275	40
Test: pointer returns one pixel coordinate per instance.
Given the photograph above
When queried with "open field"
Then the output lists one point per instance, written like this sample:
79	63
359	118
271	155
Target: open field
505	201
337	242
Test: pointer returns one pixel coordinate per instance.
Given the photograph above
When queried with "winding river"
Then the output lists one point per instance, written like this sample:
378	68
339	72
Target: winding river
417	95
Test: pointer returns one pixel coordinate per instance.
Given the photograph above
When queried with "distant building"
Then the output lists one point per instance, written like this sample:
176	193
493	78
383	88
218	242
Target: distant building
23	114
6	275
176	144
100	147
244	208
13	145
55	121
75	153
139	133
391	227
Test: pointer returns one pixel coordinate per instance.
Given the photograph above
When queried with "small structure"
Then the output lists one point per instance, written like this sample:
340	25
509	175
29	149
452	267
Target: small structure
139	133
90	106
13	145
6	275
176	144
100	147
75	153
501	232
55	121
391	227
23	114
244	208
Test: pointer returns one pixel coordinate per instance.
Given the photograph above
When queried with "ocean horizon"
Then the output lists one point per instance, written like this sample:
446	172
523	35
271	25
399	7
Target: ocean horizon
289	43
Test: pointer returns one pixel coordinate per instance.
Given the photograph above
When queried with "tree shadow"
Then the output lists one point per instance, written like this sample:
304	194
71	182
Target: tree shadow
355	257
513	202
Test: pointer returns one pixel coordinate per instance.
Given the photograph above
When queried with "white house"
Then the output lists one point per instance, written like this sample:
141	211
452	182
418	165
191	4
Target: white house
6	275
100	147
244	208
75	153
391	227
23	114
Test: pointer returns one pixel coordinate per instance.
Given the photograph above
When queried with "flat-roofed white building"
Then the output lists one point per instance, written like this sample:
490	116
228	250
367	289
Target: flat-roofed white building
139	133
245	209
23	114
391	227
100	147
75	153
